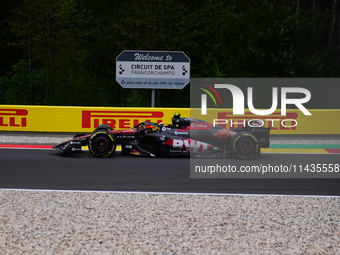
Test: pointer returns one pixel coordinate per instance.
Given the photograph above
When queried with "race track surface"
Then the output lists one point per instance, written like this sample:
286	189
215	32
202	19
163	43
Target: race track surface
48	169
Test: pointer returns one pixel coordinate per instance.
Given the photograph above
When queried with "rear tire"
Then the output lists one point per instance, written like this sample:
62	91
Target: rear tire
102	144
245	145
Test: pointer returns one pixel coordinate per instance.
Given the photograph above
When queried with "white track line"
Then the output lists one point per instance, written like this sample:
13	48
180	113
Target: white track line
167	193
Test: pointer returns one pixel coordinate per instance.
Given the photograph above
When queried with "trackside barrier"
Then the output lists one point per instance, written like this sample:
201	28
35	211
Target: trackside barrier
86	119
78	119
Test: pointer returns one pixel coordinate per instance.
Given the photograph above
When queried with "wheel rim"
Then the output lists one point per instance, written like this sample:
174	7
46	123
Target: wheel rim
101	144
246	146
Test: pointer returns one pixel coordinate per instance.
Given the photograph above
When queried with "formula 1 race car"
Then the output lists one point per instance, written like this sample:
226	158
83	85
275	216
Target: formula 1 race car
184	137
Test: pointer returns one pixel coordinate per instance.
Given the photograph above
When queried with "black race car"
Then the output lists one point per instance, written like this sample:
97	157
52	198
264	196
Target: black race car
184	137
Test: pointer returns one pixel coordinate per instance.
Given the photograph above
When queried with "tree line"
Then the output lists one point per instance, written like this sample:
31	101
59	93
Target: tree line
63	52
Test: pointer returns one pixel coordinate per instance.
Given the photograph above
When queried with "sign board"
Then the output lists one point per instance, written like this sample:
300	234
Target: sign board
153	69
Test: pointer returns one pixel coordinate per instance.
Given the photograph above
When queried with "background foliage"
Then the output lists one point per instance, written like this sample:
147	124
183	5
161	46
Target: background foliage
62	52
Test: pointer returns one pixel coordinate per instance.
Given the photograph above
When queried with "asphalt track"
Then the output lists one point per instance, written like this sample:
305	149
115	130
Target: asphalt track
49	169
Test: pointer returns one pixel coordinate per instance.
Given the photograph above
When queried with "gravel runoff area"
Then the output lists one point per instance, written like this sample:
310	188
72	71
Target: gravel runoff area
33	138
65	222
53	222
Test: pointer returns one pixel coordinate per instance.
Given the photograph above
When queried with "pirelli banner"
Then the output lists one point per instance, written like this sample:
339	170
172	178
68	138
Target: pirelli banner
78	119
86	119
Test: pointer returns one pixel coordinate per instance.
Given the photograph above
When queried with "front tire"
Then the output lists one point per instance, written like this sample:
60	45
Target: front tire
102	144
245	145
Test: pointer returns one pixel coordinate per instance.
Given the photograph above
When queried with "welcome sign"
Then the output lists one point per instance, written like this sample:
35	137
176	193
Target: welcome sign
153	69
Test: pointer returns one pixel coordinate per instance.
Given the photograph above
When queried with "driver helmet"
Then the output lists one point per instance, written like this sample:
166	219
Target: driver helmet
256	123
175	119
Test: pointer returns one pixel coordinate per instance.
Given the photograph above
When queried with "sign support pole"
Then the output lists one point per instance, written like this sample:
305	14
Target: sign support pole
152	98
3	89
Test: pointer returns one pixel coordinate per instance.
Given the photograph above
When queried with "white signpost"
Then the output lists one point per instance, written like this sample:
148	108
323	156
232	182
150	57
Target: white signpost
153	69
